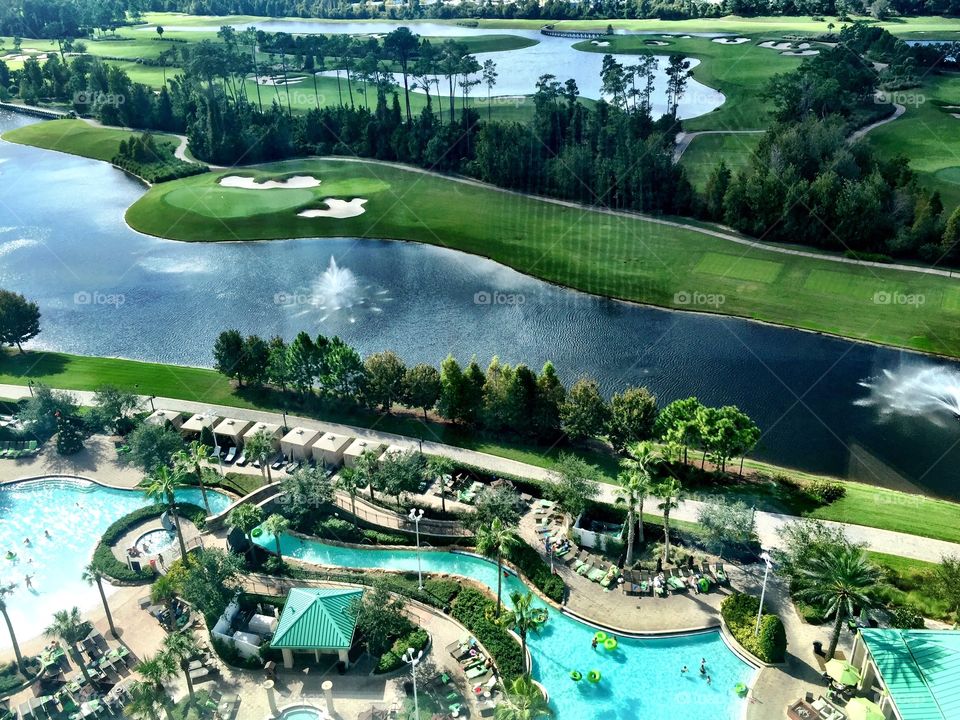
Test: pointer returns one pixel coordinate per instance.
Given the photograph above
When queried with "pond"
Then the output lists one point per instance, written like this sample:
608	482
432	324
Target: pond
106	290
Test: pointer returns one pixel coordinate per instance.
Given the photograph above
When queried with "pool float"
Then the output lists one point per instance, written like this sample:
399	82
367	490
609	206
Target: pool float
610	643
593	676
576	676
704	585
257	532
540	616
600	637
740	689
11	555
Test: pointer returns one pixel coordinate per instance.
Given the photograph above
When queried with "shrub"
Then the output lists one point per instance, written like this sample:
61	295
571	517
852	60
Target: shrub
906	618
826	491
739	612
332	528
393	658
10	677
442	589
529	562
472	608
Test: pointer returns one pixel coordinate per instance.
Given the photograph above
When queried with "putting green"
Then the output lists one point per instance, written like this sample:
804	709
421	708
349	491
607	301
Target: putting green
739	268
949	175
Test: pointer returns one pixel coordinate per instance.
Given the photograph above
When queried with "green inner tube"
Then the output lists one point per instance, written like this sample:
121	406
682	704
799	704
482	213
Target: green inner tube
600	637
11	555
740	689
540	616
576	676
610	643
257	532
593	676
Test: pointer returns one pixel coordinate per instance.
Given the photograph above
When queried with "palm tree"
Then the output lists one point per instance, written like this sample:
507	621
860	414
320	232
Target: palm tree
161	487
524	701
150	692
277	525
193	459
260	446
838	580
671	495
69	628
497	541
437	467
246	517
636	483
93	575
522	618
366	466
144	699
348	481
4	591
164	592
181	647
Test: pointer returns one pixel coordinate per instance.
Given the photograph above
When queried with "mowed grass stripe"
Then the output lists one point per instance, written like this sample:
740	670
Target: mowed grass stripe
739	268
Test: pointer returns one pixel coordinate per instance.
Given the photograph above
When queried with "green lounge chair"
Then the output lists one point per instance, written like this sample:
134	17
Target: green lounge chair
477	672
597	574
720	574
676	584
584	569
610	576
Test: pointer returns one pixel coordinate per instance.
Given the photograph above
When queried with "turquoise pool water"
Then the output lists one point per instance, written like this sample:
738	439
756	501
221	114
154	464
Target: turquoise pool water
301	713
641	679
75	513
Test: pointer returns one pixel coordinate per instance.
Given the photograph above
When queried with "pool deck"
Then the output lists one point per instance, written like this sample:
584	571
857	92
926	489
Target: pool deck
97	461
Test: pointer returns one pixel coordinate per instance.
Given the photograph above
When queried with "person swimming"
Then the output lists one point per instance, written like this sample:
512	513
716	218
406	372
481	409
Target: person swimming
46	534
26	541
28	581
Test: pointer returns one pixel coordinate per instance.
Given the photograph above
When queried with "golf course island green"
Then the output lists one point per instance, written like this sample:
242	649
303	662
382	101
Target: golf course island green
663	262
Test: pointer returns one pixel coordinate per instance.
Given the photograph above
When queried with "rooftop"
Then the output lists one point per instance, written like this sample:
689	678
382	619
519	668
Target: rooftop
317	619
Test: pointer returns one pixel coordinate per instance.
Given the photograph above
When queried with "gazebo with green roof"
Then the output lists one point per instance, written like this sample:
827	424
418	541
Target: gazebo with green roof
319	621
917	672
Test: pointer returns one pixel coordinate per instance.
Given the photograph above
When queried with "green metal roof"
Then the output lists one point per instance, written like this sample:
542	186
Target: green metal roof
317	619
920	669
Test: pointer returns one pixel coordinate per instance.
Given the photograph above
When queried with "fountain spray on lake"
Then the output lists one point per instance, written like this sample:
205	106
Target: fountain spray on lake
929	392
339	292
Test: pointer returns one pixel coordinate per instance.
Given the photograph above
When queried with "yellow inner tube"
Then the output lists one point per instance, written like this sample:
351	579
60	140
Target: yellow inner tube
593	676
600	637
610	643
576	676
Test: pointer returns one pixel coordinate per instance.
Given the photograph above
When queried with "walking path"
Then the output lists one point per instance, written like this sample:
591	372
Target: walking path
768	524
898	110
685	138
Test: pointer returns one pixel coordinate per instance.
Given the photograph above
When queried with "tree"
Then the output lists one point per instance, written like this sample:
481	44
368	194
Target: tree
502	502
6	590
149	693
632	416
261	448
348	481
245	518
277	525
211	581
421	387
727	525
40	411
192	460
152	446
452	390
70	434
584	414
573	484
161	486
181	647
947	582
93	575
671	494
380	618
401	45
304	493
385	375
164	591
71	629
677	424
550	397
436	469
112	407
522	617
228	355
489	79
399	473
523	701
19	319
497	541
678	73
838	582
160	31
951	234
725	432
636	482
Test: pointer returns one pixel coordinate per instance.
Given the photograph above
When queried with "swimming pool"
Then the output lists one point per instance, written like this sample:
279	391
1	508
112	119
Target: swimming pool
302	712
641	678
75	513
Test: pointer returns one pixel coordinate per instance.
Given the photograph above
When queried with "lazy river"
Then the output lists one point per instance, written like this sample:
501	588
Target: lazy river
640	678
75	513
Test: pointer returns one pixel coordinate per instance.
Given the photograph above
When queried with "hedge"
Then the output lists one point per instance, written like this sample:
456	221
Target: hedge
10	678
739	611
472	608
529	562
107	562
393	658
333	528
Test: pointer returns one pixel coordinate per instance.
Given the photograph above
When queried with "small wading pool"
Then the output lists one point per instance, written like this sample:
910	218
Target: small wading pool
302	712
155	541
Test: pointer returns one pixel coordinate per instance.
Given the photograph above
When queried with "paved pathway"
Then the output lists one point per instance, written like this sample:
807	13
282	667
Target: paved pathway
768	524
898	110
685	138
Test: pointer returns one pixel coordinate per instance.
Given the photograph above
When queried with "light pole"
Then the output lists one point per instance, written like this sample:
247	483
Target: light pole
30	387
415	516
766	573
414	660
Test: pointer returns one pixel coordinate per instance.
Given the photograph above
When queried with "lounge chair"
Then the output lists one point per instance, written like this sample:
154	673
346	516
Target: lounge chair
576	559
676	584
586	567
242	460
611	575
598	572
720	574
477	672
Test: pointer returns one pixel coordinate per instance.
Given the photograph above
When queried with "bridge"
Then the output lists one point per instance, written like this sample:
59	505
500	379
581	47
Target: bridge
576	34
47	113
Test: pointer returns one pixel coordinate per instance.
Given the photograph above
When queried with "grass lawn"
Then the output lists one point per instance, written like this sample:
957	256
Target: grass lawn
912	582
621	257
705	152
76	137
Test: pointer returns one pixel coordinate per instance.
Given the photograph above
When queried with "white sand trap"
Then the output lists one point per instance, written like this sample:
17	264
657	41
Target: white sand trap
337	209
278	80
655	42
248	183
955	115
777	45
731	41
951	107
801	53
24	57
600	43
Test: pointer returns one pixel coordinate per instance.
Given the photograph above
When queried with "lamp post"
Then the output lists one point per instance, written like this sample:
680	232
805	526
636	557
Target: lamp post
415	516
413	660
152	406
768	561
30	387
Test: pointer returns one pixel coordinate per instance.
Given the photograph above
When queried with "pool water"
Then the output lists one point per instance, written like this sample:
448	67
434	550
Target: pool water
301	713
75	513
641	678
155	541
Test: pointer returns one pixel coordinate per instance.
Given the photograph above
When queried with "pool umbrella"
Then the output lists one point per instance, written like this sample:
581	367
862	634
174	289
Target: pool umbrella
862	709
843	672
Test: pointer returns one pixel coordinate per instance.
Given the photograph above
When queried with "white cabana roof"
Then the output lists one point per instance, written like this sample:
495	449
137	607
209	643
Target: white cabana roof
159	417
270	429
333	443
359	446
229	427
300	437
198	422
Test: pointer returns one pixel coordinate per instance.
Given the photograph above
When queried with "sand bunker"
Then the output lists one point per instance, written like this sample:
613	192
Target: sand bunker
655	42
777	45
600	43
337	209
249	183
24	56
955	115
278	80
731	41
801	53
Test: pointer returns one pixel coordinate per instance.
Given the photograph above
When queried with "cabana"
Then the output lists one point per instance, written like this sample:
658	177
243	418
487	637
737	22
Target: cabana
231	431
196	424
318	621
274	432
162	417
357	448
392	451
297	443
329	448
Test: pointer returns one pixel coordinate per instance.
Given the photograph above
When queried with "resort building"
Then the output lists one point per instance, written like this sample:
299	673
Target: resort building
298	443
196	424
318	621
274	432
162	417
328	450
915	674
230	432
357	448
